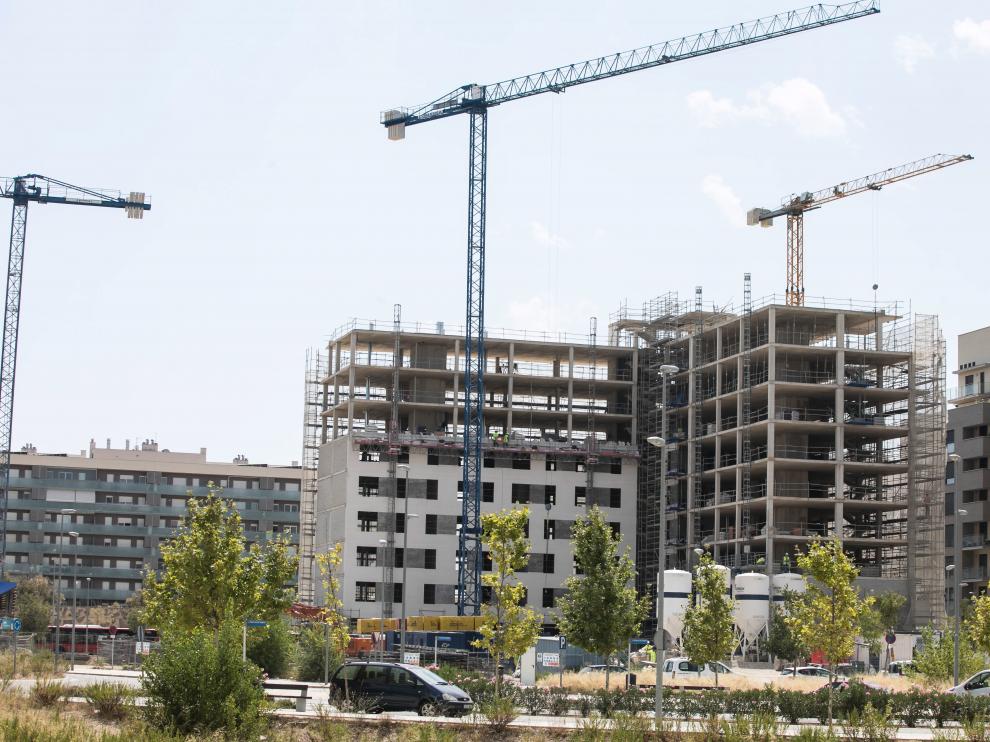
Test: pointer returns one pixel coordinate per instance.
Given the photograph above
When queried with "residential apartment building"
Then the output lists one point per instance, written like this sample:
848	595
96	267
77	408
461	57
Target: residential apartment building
968	476
784	424
561	420
123	503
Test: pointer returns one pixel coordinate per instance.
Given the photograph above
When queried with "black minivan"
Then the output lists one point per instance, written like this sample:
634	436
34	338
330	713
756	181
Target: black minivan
391	686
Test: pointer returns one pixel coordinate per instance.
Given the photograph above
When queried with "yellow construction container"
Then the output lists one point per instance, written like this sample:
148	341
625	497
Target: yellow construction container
430	623
367	625
415	623
459	623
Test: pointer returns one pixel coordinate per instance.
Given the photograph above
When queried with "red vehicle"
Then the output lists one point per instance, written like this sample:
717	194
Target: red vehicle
88	637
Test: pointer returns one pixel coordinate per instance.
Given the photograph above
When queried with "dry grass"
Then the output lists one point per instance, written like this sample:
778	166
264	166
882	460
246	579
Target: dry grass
592	681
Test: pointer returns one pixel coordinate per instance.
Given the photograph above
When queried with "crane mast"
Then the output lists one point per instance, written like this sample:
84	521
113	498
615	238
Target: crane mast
795	206
22	190
475	100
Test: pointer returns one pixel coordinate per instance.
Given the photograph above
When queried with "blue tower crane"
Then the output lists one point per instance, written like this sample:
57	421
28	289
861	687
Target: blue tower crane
22	190
474	101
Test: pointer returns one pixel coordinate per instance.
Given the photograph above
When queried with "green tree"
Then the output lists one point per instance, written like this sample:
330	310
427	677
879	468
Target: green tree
212	577
708	621
272	648
322	644
134	610
827	619
933	658
977	623
34	603
600	611
782	640
508	629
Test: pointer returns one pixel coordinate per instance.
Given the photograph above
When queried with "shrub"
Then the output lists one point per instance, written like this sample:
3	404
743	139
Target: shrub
535	700
272	649
558	703
109	700
311	654
630	727
198	684
871	725
499	713
46	692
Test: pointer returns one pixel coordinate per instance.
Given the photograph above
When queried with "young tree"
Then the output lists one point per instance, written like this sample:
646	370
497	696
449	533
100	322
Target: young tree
600	611
977	623
933	658
828	617
210	575
708	621
322	645
34	603
782	640
508	629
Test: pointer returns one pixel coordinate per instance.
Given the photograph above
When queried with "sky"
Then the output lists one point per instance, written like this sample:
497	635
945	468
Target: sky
280	211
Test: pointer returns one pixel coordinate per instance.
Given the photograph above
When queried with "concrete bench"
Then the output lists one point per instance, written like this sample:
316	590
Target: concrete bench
297	691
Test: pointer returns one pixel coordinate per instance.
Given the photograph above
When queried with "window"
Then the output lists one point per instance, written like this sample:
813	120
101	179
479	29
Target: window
486	562
950	503
400	487
430	559
548	597
580	496
400	556
367	556
432	489
431	524
615	497
950	533
400	523
488	491
549	530
973	495
370	454
520	493
367	521
615	466
397	592
364	592
433	457
551	463
548	564
972	431
550	494
616	531
526	528
978	462
577	567
486	594
525	596
489	462
520	461
429	594
368	486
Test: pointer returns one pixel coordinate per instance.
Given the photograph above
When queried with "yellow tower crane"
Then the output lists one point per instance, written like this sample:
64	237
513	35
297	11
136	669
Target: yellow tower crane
795	205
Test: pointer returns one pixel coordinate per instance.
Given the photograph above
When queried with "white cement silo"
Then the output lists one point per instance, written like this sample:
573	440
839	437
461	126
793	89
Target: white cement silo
786	581
751	613
676	594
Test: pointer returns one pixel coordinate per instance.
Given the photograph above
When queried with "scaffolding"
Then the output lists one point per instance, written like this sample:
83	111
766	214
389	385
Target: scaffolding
314	403
926	516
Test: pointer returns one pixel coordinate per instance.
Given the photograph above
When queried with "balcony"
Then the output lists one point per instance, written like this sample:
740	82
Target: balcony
974	540
974	574
969	390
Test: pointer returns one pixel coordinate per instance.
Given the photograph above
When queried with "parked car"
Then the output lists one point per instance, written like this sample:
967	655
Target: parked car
977	685
808	671
682	667
601	668
392	686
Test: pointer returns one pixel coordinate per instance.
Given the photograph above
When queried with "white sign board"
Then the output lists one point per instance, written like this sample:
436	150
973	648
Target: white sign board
551	659
411	658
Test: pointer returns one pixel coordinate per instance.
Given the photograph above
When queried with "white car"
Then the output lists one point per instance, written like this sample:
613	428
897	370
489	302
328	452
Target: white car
808	671
681	667
978	685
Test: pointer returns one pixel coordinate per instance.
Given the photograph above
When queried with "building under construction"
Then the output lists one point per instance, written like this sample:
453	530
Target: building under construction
787	423
384	454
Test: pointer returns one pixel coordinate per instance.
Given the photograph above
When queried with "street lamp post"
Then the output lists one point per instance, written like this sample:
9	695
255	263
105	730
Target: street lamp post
660	441
405	556
58	580
75	593
383	543
957	574
89	603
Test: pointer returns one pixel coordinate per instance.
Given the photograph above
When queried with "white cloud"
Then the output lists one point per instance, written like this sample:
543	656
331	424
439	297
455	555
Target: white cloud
909	51
725	199
797	103
976	35
542	236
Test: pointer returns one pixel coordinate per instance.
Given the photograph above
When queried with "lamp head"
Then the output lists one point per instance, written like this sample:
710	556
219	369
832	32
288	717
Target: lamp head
656	440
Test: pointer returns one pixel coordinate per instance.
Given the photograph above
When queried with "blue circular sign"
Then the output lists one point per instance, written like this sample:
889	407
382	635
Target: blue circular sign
16	624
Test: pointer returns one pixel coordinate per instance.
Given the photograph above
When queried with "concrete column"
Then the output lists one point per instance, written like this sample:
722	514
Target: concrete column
635	397
351	380
508	395
455	417
570	393
840	431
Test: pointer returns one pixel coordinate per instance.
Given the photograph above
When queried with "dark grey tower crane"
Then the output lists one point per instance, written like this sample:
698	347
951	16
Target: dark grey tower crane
475	100
22	190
